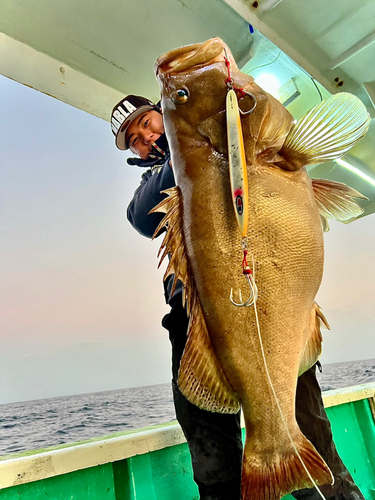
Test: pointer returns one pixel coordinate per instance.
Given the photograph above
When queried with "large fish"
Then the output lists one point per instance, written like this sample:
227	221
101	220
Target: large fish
227	364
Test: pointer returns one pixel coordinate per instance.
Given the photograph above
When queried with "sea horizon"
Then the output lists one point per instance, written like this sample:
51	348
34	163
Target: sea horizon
324	365
41	423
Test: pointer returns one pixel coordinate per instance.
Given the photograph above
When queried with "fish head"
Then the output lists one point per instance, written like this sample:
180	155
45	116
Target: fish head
193	82
194	89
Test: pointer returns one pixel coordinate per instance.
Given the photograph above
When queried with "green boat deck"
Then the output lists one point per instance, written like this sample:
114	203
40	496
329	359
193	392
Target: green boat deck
154	463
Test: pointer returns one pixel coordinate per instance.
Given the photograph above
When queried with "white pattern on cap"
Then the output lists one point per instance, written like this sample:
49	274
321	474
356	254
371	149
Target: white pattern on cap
124	113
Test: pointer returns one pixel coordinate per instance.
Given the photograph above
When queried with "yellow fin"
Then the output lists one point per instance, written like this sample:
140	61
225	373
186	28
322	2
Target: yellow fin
201	379
335	199
325	225
270	478
327	131
313	347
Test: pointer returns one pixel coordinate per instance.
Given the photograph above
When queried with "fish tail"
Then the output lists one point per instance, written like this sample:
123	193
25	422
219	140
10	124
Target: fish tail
265	478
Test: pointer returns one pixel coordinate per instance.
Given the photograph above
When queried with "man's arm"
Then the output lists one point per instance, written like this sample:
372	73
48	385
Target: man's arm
146	197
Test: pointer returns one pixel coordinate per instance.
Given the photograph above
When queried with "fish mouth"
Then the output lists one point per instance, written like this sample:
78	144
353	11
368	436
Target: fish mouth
191	57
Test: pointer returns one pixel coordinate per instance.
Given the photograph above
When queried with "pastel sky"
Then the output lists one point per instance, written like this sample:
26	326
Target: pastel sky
81	299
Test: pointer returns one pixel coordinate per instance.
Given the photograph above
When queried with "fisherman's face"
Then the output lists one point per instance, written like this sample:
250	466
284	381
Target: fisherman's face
143	131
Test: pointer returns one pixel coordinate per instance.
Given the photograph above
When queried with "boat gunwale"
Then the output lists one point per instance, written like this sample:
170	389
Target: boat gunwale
33	466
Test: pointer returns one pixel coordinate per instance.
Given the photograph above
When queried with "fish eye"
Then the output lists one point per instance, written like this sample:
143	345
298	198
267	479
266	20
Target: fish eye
180	96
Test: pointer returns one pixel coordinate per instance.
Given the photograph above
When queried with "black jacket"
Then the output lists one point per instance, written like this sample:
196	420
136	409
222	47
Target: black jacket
157	178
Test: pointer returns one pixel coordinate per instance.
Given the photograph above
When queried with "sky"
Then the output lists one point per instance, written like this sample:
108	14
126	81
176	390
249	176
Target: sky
81	298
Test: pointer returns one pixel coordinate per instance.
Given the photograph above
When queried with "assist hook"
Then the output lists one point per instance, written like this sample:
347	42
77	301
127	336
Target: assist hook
246	271
241	91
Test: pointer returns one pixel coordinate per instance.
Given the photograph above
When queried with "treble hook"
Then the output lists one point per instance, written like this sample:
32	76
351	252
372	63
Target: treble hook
253	293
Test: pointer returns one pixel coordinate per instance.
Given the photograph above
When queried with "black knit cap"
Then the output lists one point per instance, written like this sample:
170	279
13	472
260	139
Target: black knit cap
124	113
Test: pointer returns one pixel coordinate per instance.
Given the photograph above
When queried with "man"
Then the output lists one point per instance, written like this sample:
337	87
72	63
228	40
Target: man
214	439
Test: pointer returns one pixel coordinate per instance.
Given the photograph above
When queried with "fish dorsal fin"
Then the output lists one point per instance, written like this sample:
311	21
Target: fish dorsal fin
313	347
327	131
201	379
335	200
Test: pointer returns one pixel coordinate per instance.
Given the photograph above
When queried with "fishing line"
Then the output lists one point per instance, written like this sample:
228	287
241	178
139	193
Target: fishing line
264	65
317	88
275	395
277	57
314	82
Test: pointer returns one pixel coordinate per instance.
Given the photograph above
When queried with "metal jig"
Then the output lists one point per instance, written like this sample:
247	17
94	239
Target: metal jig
238	178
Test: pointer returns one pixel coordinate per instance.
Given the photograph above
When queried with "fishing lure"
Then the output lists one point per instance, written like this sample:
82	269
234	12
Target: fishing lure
239	186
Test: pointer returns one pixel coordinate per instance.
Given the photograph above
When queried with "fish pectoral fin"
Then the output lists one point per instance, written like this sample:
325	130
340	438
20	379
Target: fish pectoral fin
267	479
326	132
201	378
335	200
313	347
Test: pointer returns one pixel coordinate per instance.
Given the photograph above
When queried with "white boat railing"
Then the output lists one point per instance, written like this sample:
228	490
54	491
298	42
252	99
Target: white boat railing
35	465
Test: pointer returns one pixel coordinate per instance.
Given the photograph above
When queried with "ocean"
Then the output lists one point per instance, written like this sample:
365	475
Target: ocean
31	425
